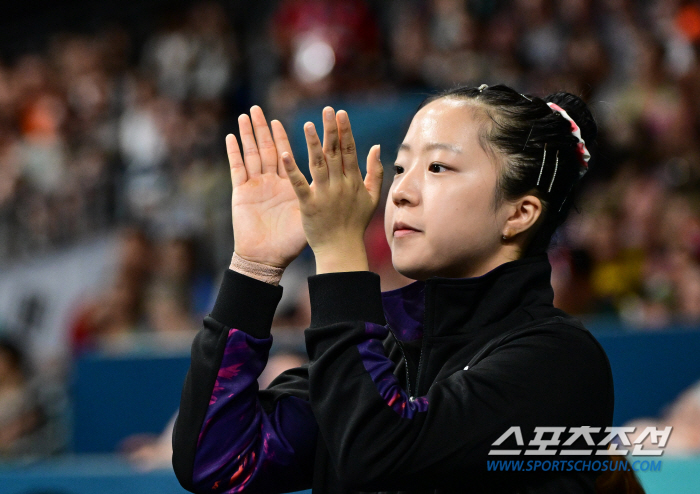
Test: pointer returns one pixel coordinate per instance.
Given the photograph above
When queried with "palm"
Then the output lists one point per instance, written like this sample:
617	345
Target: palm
267	224
267	221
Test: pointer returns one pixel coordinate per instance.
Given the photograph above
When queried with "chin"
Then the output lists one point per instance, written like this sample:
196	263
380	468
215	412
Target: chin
413	270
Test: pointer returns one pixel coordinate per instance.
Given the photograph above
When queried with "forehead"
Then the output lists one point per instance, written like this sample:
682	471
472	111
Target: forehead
447	120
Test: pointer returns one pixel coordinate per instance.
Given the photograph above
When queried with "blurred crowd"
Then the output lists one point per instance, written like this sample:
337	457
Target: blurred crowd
99	133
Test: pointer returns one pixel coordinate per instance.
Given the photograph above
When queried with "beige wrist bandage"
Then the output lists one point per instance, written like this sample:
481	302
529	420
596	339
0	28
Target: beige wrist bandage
257	270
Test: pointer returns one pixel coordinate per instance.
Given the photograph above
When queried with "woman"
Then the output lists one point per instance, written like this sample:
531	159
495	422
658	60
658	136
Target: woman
406	390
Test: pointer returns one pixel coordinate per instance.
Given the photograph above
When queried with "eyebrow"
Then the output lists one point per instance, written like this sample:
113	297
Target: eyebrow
434	145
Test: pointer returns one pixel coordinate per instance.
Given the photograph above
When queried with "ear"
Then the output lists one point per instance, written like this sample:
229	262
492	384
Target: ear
524	213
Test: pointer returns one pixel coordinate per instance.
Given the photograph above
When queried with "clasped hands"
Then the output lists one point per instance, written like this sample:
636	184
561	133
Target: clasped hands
275	211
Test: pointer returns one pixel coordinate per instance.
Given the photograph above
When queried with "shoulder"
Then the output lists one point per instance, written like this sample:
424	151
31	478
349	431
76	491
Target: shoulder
570	333
557	362
555	345
555	325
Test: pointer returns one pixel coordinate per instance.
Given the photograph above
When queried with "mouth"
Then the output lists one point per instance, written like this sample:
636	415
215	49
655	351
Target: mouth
402	229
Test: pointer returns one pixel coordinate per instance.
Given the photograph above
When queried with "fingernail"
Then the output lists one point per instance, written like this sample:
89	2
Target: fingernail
342	116
328	113
286	159
310	129
379	152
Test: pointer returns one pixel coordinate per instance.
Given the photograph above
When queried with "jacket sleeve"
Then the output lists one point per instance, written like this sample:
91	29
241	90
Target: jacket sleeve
381	439
230	436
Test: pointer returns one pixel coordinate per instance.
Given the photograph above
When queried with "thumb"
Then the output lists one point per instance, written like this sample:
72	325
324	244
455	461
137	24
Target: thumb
375	174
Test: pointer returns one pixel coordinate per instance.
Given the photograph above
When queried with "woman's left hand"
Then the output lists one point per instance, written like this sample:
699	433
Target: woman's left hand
338	205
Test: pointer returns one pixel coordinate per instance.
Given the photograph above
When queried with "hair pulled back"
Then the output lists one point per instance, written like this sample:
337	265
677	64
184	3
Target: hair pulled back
515	133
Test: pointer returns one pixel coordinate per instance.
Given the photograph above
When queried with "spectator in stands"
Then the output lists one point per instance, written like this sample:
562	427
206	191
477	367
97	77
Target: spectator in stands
149	452
108	319
21	417
100	128
326	47
683	415
168	316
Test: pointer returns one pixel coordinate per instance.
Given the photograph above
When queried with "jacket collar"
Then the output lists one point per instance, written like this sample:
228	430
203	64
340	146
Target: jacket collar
441	306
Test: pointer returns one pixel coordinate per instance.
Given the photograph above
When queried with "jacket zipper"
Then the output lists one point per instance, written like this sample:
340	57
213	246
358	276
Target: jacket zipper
420	360
405	360
427	329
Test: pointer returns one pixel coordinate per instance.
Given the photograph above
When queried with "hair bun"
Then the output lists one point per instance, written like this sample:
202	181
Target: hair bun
579	111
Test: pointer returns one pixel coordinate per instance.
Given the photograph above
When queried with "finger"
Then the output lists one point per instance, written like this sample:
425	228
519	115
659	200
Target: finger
375	174
251	156
282	145
235	161
347	147
331	145
297	179
266	146
317	161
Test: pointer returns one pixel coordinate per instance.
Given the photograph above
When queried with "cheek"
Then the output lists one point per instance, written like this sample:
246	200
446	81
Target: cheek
389	219
447	206
459	216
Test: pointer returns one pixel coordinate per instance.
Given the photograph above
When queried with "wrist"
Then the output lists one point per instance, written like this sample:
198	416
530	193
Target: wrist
259	271
341	258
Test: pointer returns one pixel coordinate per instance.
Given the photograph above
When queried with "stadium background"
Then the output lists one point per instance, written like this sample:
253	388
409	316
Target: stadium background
115	196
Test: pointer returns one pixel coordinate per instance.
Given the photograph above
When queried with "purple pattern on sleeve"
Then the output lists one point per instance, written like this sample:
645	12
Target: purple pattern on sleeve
238	440
403	310
380	368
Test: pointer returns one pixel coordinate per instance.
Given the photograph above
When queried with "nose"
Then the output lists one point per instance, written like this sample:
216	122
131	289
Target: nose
406	187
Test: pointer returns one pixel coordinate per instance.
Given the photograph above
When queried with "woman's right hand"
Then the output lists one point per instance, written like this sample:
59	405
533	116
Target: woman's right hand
266	218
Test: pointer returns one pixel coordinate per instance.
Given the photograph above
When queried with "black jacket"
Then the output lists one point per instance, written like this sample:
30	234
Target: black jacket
406	390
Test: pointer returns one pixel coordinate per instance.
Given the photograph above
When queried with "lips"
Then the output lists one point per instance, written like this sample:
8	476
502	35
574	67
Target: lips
401	228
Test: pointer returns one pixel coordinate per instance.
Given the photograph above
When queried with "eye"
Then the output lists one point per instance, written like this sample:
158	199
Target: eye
398	169
432	167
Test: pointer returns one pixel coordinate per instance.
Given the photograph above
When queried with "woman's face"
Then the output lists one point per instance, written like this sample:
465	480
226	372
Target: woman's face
444	190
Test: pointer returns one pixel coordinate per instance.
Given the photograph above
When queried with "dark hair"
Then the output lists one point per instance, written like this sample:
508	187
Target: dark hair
520	127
